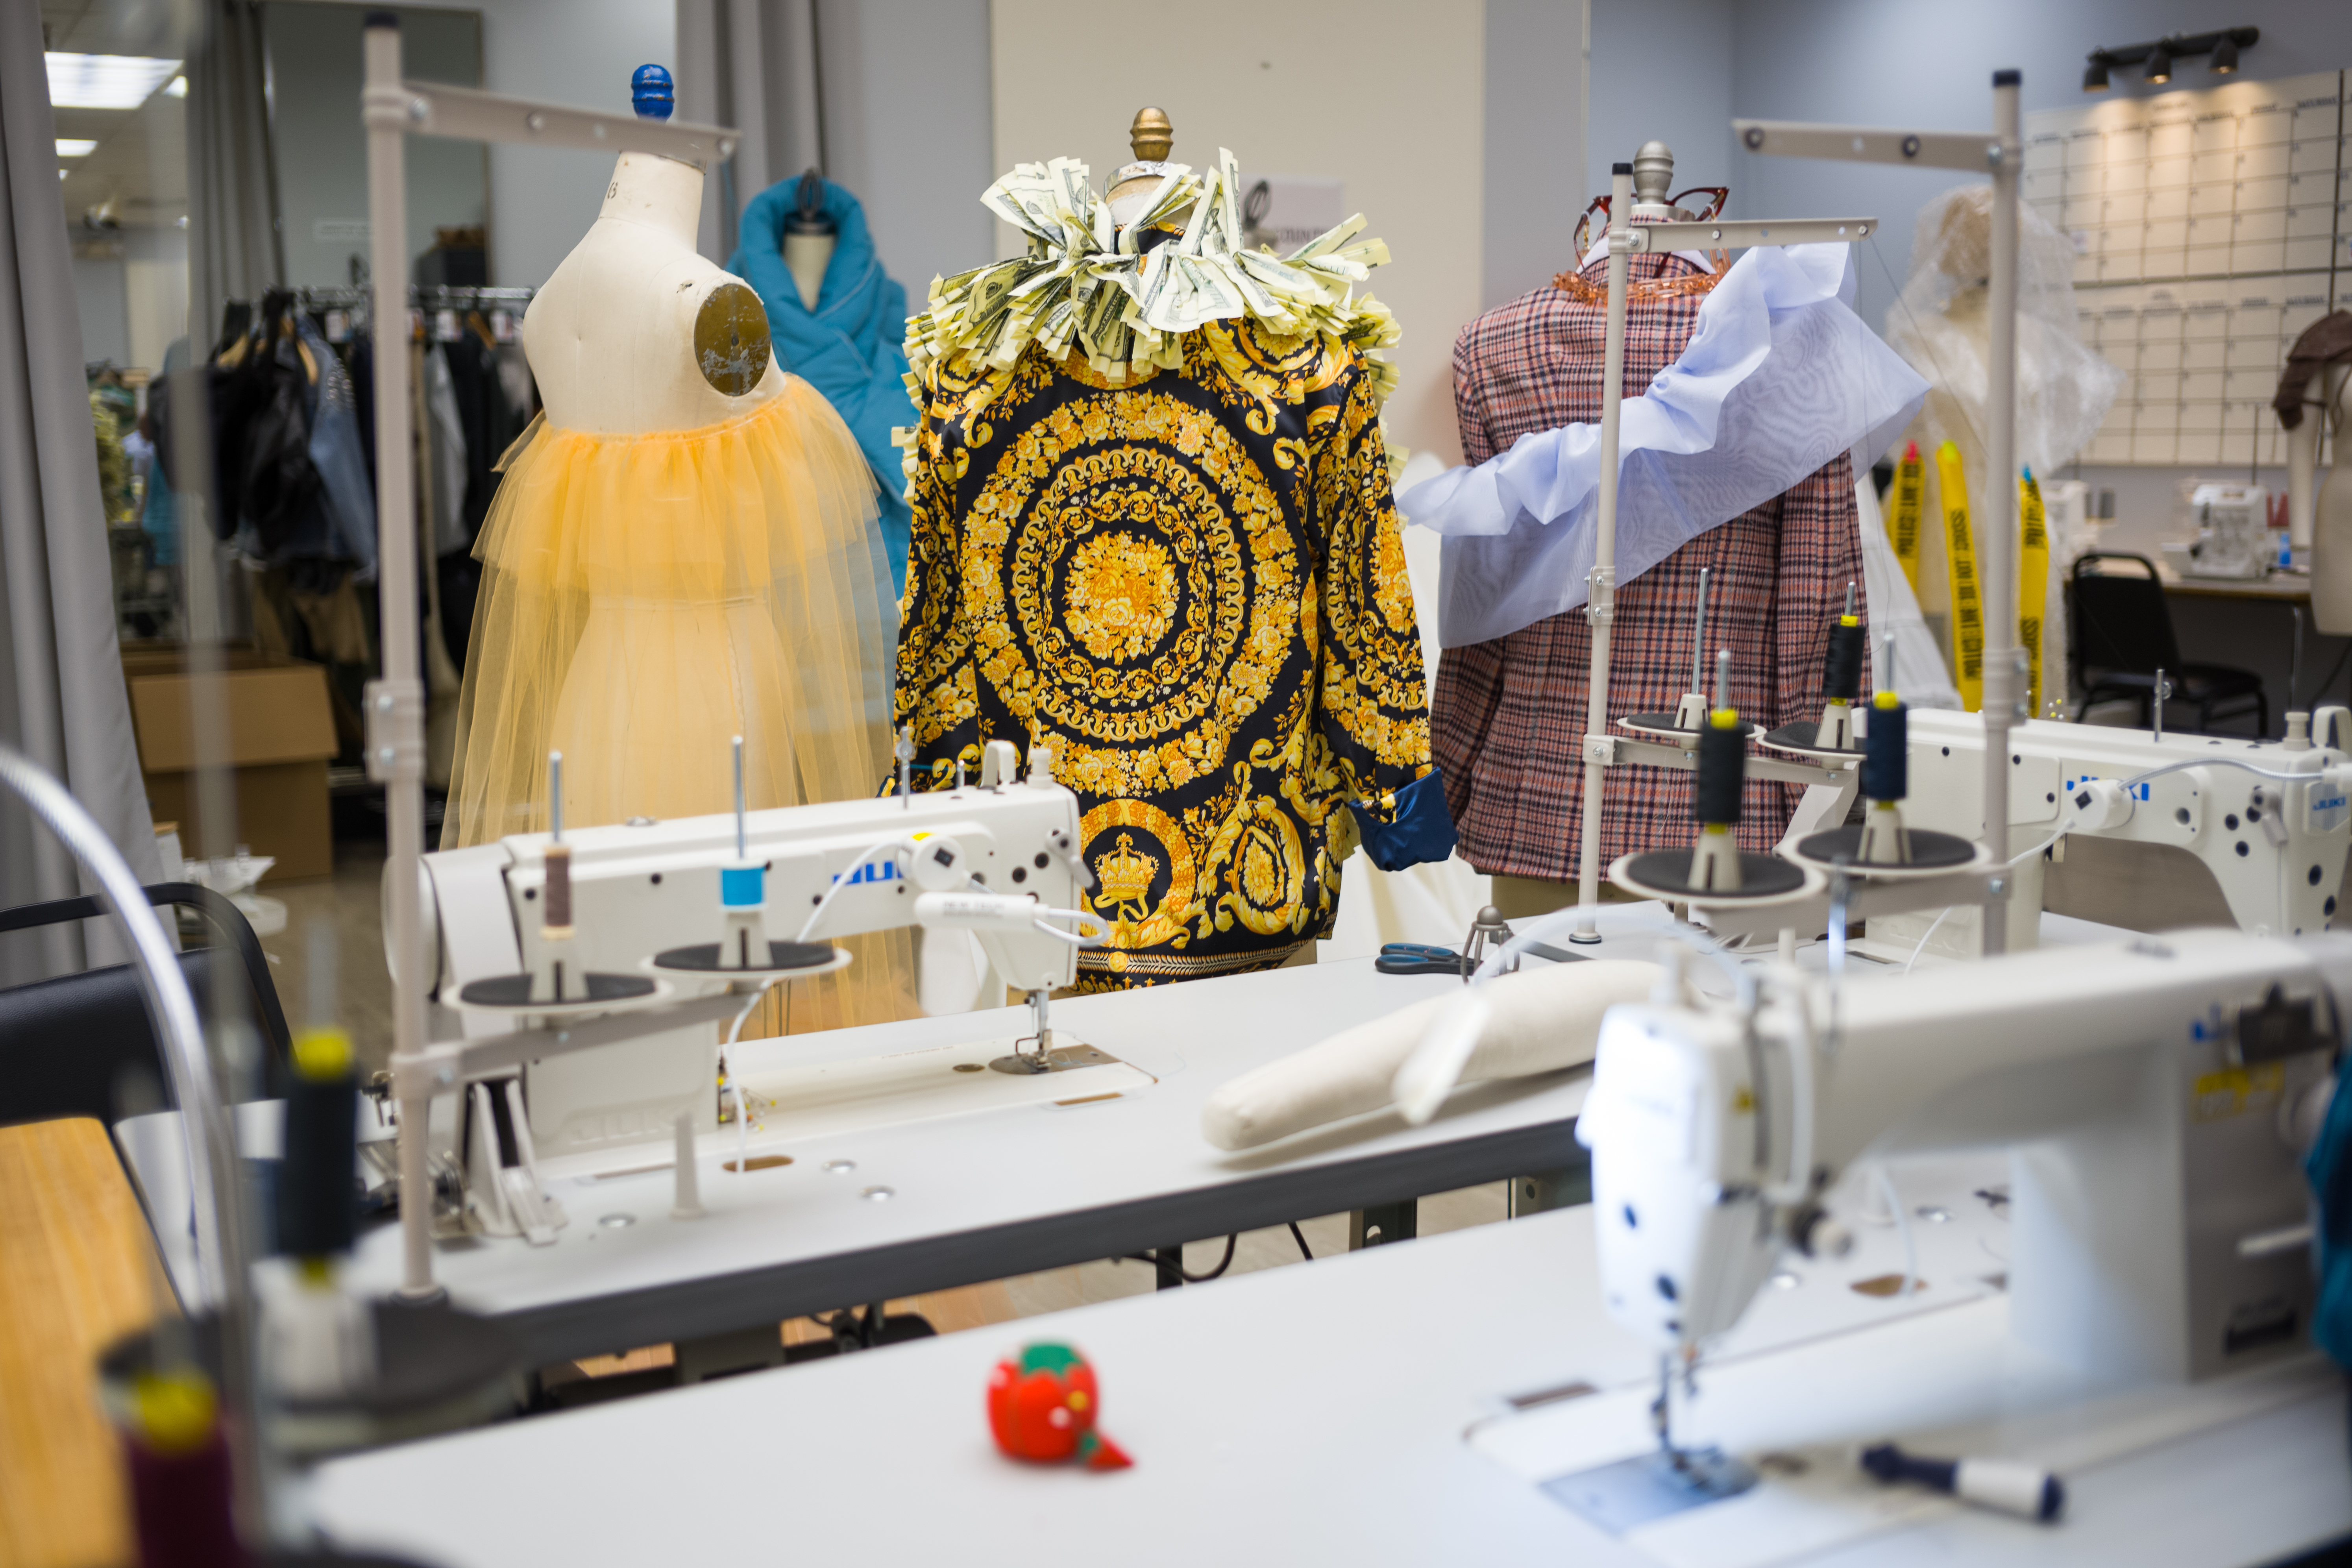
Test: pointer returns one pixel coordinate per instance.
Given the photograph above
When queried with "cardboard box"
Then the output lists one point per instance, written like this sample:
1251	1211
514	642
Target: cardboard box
266	718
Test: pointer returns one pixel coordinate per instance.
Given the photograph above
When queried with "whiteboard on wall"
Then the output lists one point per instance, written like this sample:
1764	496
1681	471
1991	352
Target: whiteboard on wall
2210	230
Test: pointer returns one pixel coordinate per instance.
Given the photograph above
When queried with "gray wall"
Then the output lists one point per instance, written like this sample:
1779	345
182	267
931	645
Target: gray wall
1663	71
1536	88
321	148
908	129
100	296
577	52
541	200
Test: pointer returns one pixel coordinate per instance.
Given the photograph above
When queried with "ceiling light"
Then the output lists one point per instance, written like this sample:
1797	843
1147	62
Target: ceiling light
176	87
2095	75
2159	64
75	147
2225	55
106	81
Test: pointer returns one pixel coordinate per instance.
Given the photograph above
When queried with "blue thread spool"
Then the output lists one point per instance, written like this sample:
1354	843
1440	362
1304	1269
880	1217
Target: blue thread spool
652	92
739	886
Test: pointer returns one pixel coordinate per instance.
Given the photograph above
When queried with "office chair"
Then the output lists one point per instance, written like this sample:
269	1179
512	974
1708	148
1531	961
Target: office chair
2122	635
66	1043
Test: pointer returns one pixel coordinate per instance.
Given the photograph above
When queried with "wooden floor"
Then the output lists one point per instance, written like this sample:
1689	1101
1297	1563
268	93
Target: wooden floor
78	1270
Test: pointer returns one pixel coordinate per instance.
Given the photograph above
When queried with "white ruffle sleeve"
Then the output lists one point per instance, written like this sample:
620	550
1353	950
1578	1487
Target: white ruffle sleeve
1778	377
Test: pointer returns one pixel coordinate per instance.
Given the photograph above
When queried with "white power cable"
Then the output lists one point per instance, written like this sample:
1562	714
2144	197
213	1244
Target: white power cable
735	1078
844	881
1924	936
1075	939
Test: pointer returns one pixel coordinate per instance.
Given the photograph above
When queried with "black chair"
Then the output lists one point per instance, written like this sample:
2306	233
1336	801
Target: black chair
66	1043
2122	635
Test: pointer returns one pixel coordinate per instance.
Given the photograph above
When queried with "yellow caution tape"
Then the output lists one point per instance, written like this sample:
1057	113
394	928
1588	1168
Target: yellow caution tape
2032	585
1903	523
1968	603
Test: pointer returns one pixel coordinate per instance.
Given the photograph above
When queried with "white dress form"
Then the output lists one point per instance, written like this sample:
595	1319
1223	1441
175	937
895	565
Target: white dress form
611	335
611	340
806	256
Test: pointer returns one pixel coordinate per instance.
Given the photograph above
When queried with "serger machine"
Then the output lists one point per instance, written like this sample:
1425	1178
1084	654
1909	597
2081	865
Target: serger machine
584	981
2154	1095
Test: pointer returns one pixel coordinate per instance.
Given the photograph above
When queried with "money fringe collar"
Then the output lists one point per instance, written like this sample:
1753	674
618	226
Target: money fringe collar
1089	287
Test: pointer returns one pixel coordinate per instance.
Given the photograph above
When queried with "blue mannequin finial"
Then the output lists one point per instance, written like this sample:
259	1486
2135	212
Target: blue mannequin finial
651	91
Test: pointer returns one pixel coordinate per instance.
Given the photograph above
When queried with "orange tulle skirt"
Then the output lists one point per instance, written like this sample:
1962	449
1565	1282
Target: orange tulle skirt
645	599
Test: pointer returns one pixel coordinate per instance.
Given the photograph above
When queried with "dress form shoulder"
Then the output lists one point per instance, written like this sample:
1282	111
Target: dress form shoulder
635	331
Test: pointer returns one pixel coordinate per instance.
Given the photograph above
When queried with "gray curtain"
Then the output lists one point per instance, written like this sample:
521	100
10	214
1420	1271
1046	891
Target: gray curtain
61	696
234	253
232	246
752	65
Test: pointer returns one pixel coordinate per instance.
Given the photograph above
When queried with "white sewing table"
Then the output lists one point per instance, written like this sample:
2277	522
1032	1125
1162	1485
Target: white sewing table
1361	1409
974	1197
990	1195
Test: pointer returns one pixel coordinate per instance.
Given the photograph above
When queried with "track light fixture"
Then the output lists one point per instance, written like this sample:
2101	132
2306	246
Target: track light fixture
2158	57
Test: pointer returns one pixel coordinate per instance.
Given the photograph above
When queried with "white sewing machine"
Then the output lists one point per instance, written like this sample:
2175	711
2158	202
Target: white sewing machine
998	859
2207	843
2153	1095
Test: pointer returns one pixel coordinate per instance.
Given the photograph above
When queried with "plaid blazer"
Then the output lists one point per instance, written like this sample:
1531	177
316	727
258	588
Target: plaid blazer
1507	718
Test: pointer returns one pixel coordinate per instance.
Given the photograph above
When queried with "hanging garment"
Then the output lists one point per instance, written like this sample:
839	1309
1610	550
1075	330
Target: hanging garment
160	515
646	597
1154	533
1508	717
447	432
1776	377
848	348
335	451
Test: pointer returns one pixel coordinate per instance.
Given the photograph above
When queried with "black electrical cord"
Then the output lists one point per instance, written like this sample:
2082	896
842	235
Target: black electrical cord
1222	1263
2322	688
1299	1237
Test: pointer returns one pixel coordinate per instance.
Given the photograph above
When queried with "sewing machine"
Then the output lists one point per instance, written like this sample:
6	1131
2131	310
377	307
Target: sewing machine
998	859
2207	843
2155	1096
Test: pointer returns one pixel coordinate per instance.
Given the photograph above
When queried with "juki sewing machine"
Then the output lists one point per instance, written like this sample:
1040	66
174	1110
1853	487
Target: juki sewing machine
646	940
2205	842
2154	1097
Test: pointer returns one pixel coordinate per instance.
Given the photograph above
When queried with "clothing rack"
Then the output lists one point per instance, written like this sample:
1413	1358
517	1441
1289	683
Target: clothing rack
356	302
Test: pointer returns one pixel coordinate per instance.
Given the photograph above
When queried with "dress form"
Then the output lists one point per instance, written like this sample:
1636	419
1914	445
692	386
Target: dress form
613	340
810	236
611	337
806	256
1150	138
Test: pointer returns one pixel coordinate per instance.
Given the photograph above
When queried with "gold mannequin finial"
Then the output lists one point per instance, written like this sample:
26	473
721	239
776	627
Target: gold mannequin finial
1151	137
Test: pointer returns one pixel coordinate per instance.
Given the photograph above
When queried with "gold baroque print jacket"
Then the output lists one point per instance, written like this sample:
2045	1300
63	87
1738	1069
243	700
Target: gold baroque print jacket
1189	587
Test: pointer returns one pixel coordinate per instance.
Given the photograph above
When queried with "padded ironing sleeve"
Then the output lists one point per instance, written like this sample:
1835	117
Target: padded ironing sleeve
1543	1020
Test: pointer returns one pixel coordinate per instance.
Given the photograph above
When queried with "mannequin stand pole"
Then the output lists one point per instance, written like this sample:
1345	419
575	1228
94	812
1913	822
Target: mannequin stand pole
1601	607
395	703
392	109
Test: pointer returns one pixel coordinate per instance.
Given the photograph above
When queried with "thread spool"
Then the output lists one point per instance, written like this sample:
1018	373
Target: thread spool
178	1469
557	894
1722	771
318	1205
1886	755
1842	680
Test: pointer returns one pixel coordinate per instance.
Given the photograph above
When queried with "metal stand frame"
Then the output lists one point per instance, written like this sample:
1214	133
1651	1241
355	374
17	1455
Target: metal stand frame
2003	157
394	109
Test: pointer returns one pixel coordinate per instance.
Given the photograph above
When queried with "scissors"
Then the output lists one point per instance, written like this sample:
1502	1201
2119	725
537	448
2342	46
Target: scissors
1417	958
